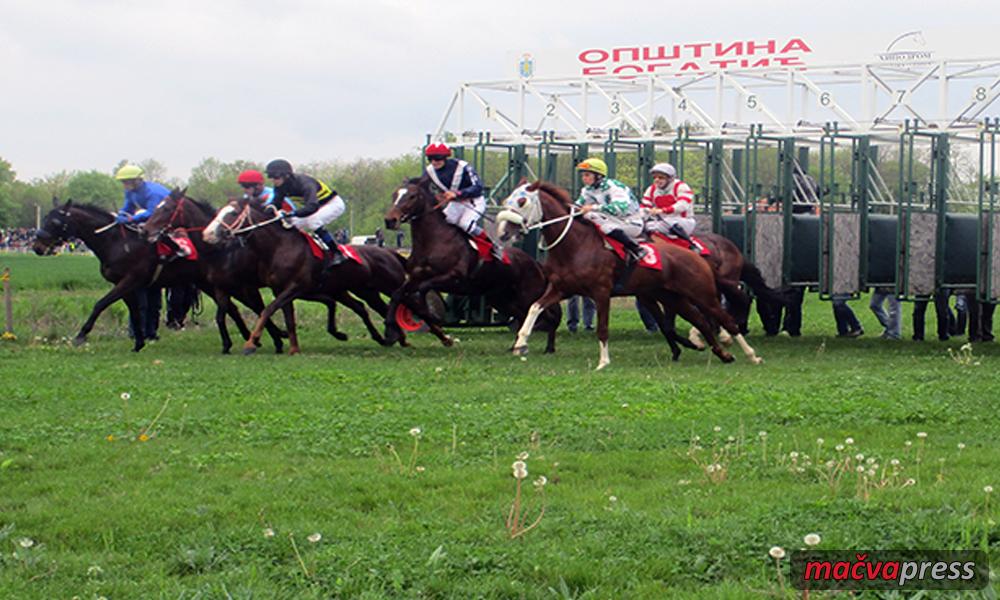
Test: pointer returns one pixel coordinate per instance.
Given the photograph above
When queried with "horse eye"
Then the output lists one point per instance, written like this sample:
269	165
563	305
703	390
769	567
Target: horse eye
521	201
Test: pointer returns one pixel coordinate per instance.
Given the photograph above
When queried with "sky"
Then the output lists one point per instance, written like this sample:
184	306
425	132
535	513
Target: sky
87	84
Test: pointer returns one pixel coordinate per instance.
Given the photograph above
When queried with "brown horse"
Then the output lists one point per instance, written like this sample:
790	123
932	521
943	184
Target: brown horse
578	263
127	260
288	267
443	260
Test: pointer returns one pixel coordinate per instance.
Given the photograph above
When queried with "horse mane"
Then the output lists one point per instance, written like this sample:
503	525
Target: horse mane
92	209
553	190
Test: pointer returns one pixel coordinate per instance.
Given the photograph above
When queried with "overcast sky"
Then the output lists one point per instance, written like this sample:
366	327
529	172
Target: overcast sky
86	84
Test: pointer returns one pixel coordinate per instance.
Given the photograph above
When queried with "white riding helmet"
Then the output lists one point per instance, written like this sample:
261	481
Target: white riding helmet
664	169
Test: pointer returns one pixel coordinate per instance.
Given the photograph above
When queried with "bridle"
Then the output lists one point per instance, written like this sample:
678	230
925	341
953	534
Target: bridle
530	214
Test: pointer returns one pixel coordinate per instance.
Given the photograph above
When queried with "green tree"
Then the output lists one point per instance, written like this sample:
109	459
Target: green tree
94	187
8	208
215	181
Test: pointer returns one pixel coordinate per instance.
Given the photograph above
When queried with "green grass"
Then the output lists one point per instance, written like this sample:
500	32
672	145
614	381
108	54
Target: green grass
306	444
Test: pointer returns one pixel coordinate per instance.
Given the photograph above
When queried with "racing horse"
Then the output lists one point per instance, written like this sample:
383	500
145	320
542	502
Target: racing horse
578	263
127	260
230	268
443	260
288	266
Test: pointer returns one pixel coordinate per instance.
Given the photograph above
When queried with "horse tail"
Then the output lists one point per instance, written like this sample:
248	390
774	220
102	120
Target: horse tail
753	277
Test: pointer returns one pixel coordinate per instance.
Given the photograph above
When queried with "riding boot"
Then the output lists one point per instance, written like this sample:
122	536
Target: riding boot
494	247
634	252
678	231
336	256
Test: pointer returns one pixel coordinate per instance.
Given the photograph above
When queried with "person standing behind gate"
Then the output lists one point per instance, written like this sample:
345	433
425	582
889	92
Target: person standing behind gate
320	204
891	322
141	199
462	190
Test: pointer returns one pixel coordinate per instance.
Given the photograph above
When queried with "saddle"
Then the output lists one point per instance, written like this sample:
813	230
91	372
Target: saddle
319	248
702	248
180	246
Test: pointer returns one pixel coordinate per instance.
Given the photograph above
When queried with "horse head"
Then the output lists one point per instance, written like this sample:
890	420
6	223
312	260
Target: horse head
57	227
168	214
521	211
410	202
239	215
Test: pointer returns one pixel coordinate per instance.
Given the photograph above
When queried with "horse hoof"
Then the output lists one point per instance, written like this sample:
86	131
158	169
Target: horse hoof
226	350
138	347
601	365
520	351
725	357
248	350
293	351
79	341
675	356
757	360
448	342
550	350
339	336
279	350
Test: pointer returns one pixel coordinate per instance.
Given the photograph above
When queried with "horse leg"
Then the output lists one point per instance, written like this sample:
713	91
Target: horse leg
331	322
135	317
551	319
251	298
286	296
222	302
359	309
293	336
691	313
603	301
121	289
651	305
729	325
551	296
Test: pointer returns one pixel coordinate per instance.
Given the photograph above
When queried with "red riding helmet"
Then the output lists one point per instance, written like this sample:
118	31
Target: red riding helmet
250	176
438	149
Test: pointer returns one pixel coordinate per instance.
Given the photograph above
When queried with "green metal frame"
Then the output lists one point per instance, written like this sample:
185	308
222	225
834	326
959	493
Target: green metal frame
859	194
987	209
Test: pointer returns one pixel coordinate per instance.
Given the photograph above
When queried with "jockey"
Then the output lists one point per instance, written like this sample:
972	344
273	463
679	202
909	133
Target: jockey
252	182
320	204
670	202
610	206
461	187
141	197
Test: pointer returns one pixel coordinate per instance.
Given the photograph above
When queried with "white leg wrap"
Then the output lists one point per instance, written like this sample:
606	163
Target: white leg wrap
528	325
695	336
605	356
748	350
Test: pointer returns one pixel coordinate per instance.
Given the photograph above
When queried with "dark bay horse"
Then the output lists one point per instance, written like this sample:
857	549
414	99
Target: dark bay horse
127	260
231	269
442	260
578	263
287	266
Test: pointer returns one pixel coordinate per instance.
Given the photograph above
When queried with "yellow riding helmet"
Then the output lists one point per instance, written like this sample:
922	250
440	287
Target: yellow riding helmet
594	165
129	172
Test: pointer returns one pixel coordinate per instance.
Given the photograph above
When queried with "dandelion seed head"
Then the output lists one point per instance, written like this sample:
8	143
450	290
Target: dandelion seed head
839	447
849	441
523	456
420	468
860	469
762	434
126	396
268	532
988	489
820	441
612	498
315	537
921	434
26	542
541	481
961	446
415	432
717	429
94	570
907	443
894	462
812	539
777	552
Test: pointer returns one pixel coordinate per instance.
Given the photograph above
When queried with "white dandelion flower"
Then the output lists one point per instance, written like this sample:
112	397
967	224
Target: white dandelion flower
921	434
961	446
907	443
416	431
268	532
819	441
849	441
612	499
812	539
520	469
988	489
26	542
839	448
315	537
717	429
126	396
860	469
762	434
777	552
894	462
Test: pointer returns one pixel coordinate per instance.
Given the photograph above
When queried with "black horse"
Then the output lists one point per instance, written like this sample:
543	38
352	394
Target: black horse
127	260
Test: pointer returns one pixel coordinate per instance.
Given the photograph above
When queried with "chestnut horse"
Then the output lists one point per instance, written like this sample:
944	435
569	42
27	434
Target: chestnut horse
443	260
578	263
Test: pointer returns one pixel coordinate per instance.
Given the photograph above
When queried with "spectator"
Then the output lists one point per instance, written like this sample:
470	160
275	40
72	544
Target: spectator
399	238
944	316
847	323
891	321
379	238
648	321
573	313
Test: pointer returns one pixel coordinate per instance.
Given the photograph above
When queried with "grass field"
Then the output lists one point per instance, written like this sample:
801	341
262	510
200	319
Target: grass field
211	479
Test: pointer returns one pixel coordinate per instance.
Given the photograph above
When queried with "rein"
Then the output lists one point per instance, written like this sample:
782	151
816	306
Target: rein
236	228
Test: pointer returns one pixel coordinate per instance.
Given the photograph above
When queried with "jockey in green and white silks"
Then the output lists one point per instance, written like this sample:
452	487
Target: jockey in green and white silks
610	206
